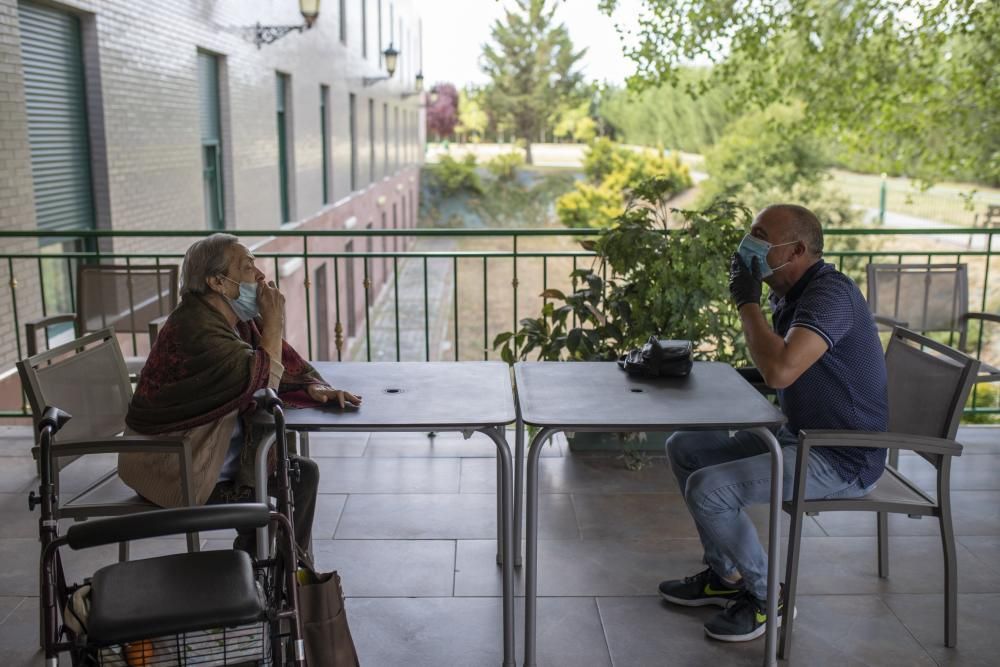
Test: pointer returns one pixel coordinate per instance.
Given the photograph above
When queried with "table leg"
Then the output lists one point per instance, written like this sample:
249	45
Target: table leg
773	547
304	444
531	548
500	502
506	510
518	488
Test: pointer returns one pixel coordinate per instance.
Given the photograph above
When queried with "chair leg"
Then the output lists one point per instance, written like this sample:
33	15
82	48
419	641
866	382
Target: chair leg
950	580
883	545
122	552
791	579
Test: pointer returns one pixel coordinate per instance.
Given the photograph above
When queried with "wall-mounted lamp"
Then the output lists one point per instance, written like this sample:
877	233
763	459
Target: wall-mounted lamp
418	86
391	56
268	34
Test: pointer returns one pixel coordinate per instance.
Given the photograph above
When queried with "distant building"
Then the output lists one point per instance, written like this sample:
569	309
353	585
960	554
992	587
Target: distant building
162	114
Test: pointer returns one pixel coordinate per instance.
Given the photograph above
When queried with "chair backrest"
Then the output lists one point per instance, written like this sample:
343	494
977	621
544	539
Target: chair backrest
928	385
87	378
124	297
927	297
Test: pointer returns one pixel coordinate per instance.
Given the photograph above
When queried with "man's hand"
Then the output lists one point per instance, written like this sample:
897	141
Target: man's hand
322	393
744	281
271	304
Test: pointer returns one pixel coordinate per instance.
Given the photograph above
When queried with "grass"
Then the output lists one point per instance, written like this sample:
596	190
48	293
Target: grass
948	203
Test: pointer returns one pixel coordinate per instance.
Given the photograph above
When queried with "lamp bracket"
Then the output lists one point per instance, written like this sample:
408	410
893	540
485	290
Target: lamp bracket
269	34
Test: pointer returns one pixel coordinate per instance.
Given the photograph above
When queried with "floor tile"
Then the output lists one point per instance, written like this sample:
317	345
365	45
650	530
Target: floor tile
583	567
577	474
390	568
829	630
431	632
973	513
985	549
19	576
977	645
329	444
442	516
979	439
654	516
971	472
329	507
847	565
370	475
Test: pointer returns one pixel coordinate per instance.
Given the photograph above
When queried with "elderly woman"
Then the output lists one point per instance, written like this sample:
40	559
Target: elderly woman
219	346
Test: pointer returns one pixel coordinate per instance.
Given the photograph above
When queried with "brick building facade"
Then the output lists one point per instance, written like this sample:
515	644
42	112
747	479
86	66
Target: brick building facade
296	138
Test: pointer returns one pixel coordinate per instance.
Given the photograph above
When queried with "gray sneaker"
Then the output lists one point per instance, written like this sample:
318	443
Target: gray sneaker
704	588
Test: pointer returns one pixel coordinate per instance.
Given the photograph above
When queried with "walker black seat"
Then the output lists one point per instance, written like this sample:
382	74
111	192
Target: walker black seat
176	593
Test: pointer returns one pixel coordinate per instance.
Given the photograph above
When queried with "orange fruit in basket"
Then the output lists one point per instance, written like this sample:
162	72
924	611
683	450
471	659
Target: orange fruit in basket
139	654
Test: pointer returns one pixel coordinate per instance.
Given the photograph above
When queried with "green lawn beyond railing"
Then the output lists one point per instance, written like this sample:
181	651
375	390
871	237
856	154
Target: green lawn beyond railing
490	288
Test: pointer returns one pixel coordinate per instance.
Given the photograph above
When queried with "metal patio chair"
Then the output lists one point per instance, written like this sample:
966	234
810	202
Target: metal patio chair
927	298
132	299
928	385
88	379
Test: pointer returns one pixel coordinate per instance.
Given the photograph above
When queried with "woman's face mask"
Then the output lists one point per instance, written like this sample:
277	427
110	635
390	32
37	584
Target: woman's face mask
245	305
751	247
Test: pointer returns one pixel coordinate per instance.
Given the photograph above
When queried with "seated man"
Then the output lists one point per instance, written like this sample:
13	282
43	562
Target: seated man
219	346
825	360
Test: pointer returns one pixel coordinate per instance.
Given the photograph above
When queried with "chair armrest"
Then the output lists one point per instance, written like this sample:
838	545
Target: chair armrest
989	317
154	328
121	444
31	328
159	523
879	440
889	321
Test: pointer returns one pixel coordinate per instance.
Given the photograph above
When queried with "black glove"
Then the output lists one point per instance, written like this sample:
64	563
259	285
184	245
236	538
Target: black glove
744	281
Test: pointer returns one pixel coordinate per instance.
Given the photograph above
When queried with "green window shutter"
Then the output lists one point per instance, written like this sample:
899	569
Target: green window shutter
208	96
55	101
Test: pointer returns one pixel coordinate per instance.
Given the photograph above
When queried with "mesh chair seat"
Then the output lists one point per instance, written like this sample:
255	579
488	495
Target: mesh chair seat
111	495
890	489
171	594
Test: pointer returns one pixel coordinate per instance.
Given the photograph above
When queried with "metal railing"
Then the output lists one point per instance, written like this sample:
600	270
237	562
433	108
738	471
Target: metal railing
974	246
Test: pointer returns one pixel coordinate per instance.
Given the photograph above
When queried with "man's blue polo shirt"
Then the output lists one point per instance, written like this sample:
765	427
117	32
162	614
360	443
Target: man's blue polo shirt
847	387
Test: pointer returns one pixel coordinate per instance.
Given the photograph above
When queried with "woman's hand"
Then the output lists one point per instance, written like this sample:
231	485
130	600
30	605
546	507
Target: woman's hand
322	393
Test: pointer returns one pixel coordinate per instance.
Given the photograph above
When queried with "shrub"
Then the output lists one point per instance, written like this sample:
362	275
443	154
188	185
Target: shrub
611	170
504	166
451	176
667	282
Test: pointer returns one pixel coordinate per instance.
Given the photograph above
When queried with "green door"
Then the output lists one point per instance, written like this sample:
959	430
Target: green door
55	100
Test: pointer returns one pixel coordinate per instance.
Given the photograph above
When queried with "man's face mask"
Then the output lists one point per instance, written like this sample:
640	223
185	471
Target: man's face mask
751	247
245	305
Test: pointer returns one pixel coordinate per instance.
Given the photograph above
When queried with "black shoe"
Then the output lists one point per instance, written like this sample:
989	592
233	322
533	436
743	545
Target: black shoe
702	589
743	620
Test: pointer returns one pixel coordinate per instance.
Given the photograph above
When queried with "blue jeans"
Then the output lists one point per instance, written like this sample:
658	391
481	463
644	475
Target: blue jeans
719	475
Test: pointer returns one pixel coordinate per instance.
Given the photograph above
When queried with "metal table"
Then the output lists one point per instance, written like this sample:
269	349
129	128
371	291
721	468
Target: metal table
598	396
469	397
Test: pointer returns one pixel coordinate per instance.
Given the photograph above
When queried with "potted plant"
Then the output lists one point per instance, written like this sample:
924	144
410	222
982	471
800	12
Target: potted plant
666	275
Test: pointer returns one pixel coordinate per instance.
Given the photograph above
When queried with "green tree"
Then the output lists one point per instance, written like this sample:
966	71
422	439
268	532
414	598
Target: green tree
530	64
912	84
472	119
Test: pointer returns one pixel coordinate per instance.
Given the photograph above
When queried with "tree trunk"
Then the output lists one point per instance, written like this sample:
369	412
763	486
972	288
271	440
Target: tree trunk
527	153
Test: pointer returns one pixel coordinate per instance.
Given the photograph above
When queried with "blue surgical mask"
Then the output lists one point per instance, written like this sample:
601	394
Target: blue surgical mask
245	305
751	247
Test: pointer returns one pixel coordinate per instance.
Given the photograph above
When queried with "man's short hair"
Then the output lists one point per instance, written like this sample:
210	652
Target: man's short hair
204	259
805	226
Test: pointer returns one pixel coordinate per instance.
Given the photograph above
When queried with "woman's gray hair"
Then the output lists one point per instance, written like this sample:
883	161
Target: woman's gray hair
204	259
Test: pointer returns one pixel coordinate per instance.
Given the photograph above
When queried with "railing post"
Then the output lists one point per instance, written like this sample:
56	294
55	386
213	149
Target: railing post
881	200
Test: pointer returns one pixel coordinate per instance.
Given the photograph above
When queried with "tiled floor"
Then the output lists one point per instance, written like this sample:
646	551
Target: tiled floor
410	524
